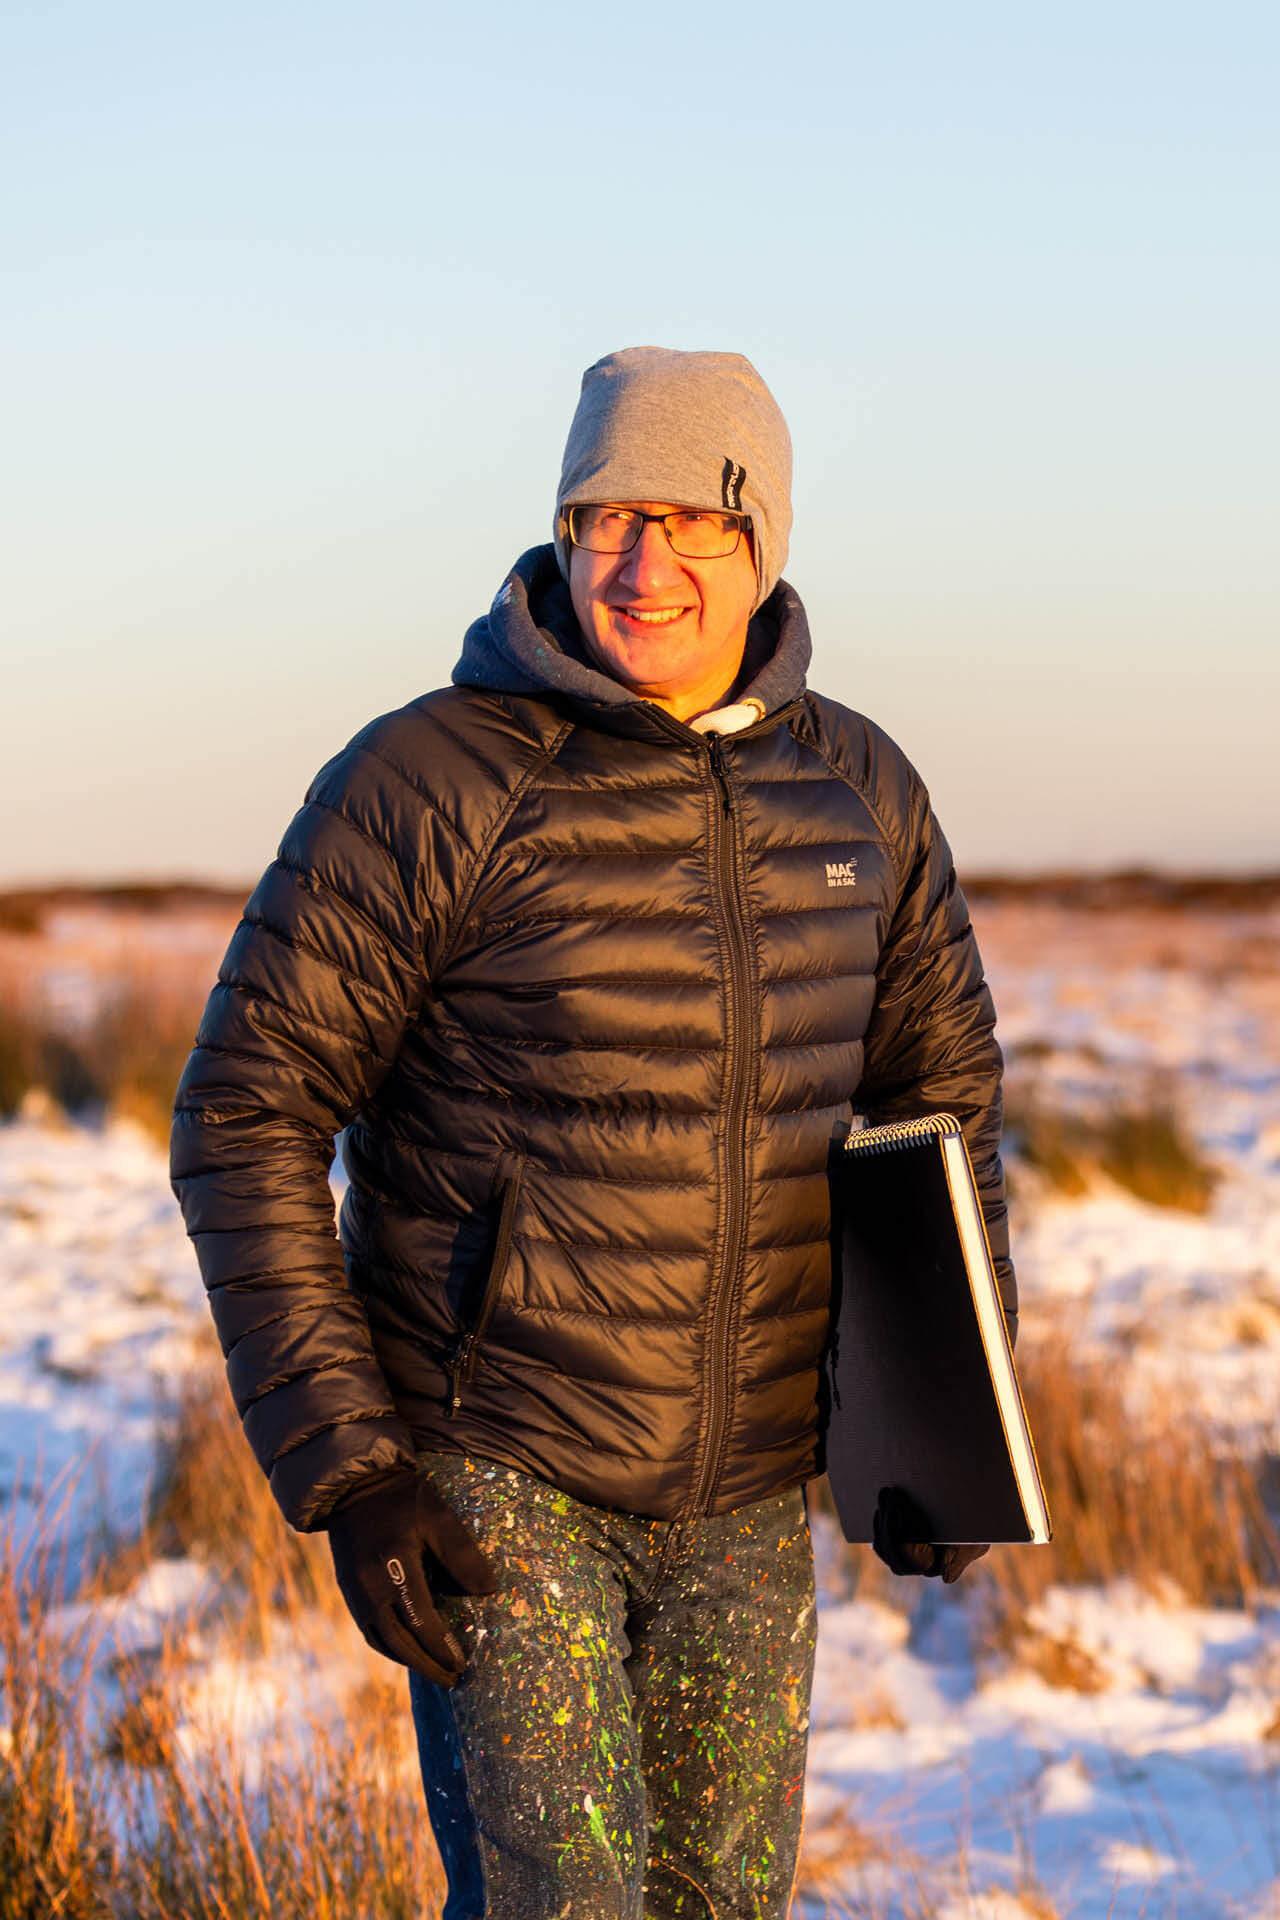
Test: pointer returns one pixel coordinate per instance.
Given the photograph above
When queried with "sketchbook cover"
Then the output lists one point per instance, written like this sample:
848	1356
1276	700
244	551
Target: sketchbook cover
916	1398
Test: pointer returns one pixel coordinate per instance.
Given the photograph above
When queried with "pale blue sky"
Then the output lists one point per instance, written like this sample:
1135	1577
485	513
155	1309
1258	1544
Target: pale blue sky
296	299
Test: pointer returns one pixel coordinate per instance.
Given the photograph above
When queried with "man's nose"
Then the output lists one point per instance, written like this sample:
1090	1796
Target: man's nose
650	564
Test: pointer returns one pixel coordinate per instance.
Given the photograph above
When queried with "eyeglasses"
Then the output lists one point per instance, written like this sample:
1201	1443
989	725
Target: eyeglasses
697	533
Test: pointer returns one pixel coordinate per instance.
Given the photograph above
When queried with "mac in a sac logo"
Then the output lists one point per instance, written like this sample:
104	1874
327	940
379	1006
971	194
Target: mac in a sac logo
842	873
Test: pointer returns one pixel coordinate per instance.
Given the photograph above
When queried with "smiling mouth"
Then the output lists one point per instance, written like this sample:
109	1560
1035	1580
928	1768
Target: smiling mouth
652	616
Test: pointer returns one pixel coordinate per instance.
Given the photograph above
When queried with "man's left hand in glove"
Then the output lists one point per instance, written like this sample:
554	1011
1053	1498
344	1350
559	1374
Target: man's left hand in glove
384	1539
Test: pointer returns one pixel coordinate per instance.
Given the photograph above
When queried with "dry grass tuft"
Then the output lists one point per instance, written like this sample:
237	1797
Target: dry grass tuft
1144	1149
22	913
1037	1905
1158	1498
20	1058
859	1876
830	1852
1159	1501
1060	1663
157	1818
1051	1143
335	1833
101	992
143	1733
134	1052
213	1503
57	1853
124	1062
875	1713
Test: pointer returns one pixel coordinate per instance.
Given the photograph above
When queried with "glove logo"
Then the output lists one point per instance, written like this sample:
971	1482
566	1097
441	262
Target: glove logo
396	1569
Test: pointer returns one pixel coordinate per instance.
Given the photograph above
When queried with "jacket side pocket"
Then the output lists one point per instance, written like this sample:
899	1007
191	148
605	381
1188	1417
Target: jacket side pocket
462	1363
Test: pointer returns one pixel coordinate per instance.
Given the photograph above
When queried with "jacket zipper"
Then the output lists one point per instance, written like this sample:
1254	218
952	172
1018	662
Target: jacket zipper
735	1149
462	1362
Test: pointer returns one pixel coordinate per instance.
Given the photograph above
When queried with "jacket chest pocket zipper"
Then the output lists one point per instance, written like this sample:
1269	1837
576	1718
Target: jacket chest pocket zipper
464	1359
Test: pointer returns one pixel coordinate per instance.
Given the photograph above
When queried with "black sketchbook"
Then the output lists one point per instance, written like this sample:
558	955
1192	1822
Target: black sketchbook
923	1391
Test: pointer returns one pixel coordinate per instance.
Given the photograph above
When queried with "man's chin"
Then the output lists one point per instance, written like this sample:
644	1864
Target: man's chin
648	662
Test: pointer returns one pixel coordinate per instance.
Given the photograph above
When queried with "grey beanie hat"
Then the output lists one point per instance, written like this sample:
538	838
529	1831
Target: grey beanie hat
697	429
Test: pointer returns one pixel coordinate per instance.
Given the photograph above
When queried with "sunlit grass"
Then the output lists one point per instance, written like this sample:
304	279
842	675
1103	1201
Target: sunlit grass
148	1812
1143	1148
117	1804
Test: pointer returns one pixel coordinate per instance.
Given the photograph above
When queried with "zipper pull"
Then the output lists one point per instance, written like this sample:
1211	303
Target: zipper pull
720	768
456	1369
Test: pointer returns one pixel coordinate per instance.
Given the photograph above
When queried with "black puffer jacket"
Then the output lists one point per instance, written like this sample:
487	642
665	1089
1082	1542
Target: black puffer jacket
591	993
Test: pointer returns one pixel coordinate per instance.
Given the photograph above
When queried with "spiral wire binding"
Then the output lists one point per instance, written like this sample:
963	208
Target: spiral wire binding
901	1133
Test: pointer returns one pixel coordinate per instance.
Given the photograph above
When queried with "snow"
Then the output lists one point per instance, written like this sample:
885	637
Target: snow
161	1605
1150	1787
1163	1774
103	1312
1157	1285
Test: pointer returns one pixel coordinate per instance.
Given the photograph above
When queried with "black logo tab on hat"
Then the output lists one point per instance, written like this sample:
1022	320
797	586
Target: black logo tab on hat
731	483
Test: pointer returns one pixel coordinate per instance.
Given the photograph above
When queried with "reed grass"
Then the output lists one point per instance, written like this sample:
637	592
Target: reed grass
143	1812
1154	1497
213	1502
139	1813
57	1851
123	1062
1143	1148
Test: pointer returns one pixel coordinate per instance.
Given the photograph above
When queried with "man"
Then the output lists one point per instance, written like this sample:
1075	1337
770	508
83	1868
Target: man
590	954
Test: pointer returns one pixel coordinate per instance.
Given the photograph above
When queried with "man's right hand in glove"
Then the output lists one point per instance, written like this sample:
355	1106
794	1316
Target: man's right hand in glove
899	1534
386	1542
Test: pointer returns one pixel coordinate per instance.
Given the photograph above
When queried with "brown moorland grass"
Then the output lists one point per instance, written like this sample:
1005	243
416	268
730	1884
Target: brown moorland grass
1160	1500
1143	1148
1157	1498
154	1817
100	997
334	1833
57	1851
213	1502
124	1062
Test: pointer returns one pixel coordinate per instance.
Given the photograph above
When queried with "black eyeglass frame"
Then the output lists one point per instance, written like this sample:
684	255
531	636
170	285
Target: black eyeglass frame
741	520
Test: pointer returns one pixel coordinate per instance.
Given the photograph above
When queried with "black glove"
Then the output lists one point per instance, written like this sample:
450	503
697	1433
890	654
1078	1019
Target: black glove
896	1536
379	1538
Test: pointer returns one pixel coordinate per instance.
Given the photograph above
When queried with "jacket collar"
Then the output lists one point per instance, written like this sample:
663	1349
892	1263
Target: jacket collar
529	642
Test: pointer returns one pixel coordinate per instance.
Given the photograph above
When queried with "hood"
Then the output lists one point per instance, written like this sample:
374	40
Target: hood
530	642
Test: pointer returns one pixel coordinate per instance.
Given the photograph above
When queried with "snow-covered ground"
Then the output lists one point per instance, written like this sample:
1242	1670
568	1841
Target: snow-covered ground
1156	1791
103	1309
1152	1786
1089	1020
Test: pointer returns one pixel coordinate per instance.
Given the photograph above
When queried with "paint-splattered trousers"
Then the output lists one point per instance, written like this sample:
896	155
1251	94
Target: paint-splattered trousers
628	1740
